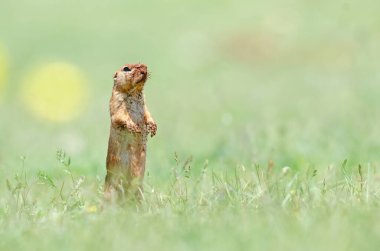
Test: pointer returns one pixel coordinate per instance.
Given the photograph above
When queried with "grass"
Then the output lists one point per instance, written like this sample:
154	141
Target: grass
267	118
251	207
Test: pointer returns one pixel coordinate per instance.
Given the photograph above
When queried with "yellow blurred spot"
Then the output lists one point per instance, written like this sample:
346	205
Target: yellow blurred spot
92	209
3	70
56	91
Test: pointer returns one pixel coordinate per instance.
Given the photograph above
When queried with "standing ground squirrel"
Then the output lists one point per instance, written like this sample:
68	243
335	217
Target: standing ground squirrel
131	123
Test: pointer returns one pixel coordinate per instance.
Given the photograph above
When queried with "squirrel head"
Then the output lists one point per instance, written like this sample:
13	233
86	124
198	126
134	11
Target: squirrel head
131	78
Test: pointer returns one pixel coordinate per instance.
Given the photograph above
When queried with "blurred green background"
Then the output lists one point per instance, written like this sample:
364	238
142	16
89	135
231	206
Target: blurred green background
233	82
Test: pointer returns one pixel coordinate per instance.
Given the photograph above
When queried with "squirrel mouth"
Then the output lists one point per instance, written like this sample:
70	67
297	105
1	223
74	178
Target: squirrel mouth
141	79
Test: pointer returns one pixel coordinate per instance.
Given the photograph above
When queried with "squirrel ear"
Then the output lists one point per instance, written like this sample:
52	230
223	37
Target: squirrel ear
115	75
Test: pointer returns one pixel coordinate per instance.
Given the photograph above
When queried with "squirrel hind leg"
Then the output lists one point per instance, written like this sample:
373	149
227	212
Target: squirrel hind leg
110	193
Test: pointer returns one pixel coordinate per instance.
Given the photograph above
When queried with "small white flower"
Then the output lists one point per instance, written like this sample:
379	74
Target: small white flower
285	169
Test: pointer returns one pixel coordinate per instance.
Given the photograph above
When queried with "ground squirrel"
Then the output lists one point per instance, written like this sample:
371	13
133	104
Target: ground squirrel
131	123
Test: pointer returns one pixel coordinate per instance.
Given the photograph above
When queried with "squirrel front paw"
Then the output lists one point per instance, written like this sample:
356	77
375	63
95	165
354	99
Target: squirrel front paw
132	127
152	127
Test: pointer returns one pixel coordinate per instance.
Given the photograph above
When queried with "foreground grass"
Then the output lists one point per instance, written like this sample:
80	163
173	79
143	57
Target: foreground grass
245	208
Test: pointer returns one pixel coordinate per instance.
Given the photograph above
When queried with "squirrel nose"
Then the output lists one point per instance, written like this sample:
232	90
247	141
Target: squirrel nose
142	67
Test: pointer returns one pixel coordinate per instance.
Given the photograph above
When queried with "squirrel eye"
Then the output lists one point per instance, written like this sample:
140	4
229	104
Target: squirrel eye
126	69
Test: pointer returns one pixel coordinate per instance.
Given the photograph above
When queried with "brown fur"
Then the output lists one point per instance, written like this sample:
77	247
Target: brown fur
131	123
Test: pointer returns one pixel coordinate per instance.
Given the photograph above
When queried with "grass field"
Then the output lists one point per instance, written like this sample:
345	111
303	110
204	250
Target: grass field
267	118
